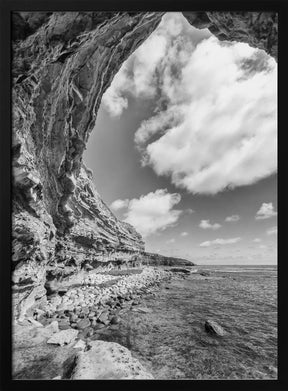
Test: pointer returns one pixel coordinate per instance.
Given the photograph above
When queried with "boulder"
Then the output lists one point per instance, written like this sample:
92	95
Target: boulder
64	337
80	345
83	324
107	360
64	324
115	320
204	274
180	270
214	328
103	318
34	322
144	310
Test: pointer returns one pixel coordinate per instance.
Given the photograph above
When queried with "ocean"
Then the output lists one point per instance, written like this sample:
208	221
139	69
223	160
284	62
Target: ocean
172	343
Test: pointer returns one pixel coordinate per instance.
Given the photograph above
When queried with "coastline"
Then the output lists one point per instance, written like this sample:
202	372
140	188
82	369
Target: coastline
97	302
163	329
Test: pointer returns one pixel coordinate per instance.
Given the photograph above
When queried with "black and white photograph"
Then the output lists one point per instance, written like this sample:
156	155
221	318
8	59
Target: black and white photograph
144	195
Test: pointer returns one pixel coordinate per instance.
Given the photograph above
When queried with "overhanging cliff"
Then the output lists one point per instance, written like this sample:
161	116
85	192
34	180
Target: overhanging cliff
62	64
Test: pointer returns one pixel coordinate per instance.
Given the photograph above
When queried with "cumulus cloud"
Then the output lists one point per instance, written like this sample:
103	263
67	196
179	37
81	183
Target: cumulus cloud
232	218
266	211
257	240
205	224
119	204
220	241
214	125
189	211
272	231
153	212
263	246
170	241
137	76
184	234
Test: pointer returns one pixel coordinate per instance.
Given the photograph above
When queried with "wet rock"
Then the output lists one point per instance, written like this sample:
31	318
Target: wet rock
83	324
85	310
73	318
99	326
103	318
180	270
214	328
115	320
108	360
90	332
204	274
64	324
64	337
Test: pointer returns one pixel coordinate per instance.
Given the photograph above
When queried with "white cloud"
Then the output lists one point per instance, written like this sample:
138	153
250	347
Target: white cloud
266	211
189	211
184	234
232	218
257	240
205	224
119	204
272	231
263	246
214	125
223	131
170	241
219	241
137	75
153	212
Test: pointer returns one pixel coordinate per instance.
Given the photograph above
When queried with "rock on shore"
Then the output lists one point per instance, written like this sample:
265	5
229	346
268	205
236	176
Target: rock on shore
107	360
213	327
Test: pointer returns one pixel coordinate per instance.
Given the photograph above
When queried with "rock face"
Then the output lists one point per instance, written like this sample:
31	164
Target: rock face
62	64
258	29
108	360
157	260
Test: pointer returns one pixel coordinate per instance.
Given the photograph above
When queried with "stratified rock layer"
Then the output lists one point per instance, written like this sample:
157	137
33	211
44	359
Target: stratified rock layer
62	64
258	29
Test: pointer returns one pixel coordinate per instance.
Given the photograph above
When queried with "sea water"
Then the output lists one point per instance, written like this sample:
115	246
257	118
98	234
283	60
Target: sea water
172	343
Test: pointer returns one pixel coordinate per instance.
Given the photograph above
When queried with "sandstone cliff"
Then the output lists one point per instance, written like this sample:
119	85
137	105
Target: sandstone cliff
62	64
258	29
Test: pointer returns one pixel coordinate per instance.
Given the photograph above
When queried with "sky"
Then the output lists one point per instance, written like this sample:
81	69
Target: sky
185	146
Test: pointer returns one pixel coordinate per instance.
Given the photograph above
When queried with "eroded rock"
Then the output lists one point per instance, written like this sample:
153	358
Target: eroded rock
214	328
108	360
64	337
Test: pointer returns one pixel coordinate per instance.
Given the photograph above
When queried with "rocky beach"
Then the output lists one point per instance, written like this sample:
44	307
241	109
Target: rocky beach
155	324
72	317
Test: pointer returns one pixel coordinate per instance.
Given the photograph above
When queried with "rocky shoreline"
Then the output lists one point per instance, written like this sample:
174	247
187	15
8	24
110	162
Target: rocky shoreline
71	320
93	304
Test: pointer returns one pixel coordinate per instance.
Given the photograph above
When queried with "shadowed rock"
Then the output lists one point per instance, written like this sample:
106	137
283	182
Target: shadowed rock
214	328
